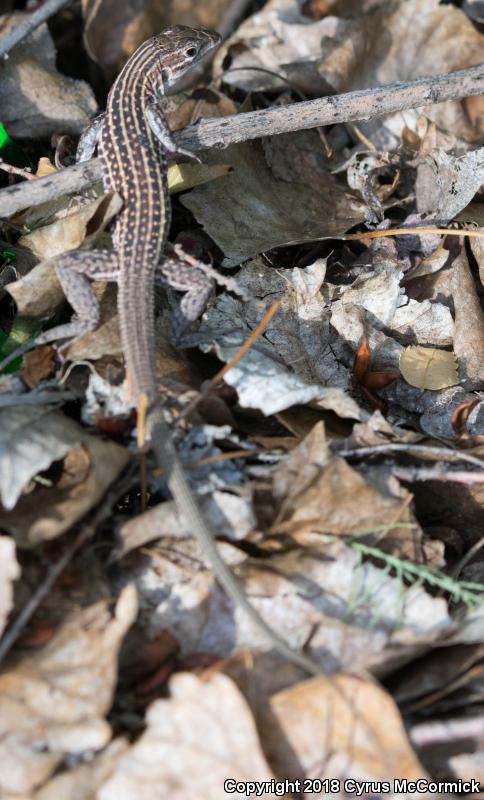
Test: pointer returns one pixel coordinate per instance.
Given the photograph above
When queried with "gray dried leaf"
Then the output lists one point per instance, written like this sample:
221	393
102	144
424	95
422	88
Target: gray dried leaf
36	100
282	39
353	614
227	514
50	511
293	361
446	184
31	438
250	210
424	322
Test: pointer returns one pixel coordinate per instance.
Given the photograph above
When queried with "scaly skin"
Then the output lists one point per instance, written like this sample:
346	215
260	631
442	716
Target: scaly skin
134	165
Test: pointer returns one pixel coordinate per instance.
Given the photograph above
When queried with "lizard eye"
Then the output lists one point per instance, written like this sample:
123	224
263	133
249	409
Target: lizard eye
191	52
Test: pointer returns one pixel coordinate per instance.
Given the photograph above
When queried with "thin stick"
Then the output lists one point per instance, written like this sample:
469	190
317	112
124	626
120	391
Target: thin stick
222	131
476	232
12	170
258	331
348	107
437	453
29	24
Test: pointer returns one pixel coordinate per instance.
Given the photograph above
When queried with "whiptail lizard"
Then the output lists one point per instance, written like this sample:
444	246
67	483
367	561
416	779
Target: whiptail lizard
134	143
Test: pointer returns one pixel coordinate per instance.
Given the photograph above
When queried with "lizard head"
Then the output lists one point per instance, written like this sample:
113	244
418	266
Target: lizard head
180	47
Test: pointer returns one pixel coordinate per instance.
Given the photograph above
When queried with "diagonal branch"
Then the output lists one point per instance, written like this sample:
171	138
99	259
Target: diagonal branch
223	131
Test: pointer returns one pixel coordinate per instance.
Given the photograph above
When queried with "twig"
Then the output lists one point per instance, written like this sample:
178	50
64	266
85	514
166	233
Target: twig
29	24
87	531
256	333
437	473
42	190
445	731
472	232
437	453
222	131
12	170
348	107
467	557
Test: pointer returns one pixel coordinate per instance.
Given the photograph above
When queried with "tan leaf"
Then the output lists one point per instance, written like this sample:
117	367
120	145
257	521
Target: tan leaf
45	167
202	735
186	176
82	782
427	368
69	230
346	726
52	704
316	491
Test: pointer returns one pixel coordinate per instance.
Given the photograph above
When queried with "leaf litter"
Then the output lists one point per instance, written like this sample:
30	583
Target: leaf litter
339	463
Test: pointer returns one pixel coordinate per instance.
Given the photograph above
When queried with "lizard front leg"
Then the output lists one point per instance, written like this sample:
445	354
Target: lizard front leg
159	127
89	139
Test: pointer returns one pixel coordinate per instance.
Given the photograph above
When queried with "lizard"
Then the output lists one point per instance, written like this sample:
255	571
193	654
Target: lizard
134	144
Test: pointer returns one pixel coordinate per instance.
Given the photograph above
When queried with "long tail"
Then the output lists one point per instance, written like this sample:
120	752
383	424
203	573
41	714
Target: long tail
168	460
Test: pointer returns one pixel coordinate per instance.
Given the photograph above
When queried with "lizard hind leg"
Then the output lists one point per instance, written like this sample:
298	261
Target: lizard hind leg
75	270
197	288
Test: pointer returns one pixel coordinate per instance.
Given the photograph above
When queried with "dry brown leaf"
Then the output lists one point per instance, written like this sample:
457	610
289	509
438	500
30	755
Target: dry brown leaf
38	365
346	727
39	292
201	736
315	491
435	671
70	229
427	368
105	340
36	100
52	705
31	438
10	571
132	23
49	512
477	247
